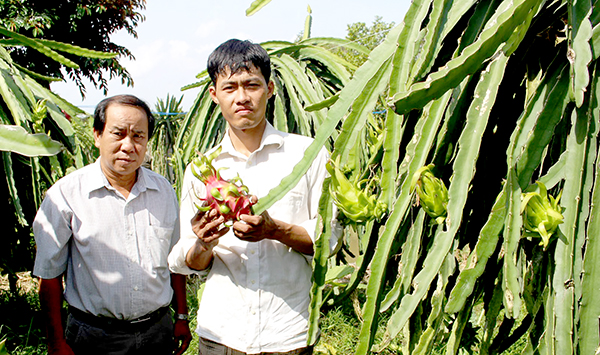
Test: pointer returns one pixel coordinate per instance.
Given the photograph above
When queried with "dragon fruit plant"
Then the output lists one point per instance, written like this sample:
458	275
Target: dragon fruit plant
432	193
229	197
356	205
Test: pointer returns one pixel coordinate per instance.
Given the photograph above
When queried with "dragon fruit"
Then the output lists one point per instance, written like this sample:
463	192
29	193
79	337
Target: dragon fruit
229	197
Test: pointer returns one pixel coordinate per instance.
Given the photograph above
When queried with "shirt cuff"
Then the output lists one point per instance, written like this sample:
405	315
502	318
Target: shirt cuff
177	257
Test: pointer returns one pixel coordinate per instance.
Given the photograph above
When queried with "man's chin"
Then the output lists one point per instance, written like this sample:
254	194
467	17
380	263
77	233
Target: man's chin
126	168
245	125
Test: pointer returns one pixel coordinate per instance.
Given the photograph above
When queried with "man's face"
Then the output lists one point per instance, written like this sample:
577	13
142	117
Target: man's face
123	143
242	98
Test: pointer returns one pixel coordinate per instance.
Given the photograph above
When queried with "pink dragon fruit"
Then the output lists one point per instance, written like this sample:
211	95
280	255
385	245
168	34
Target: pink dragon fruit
229	197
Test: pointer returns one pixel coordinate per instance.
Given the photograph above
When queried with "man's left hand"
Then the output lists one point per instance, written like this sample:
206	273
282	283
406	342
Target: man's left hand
182	335
253	228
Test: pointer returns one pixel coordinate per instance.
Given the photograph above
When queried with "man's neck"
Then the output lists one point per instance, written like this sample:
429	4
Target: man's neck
247	141
120	183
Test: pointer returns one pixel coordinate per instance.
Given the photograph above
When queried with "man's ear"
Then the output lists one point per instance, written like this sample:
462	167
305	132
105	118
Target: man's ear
97	136
213	94
271	88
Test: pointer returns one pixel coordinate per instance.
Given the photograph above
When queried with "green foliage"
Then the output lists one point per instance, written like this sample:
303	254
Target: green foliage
21	328
43	138
168	115
58	21
496	95
255	6
367	36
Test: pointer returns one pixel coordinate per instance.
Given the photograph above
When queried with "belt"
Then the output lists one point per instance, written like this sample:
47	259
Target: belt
114	323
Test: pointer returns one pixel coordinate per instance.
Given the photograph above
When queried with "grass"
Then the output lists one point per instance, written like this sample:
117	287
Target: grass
22	327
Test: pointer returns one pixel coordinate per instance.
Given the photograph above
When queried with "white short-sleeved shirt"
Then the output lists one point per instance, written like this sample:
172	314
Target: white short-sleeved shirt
113	250
256	297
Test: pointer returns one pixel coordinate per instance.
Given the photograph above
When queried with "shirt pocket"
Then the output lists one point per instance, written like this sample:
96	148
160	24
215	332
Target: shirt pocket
160	244
293	206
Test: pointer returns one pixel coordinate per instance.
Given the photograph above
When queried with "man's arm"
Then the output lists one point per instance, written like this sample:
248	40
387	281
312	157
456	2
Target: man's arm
294	236
255	228
181	328
51	300
208	227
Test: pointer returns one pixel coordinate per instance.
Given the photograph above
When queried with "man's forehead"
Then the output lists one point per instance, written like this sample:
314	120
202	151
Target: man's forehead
250	69
119	119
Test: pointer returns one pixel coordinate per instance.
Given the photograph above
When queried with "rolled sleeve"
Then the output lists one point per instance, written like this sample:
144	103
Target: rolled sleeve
177	256
176	259
52	232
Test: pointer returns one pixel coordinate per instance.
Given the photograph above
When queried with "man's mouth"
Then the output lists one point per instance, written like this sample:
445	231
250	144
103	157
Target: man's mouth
243	110
126	160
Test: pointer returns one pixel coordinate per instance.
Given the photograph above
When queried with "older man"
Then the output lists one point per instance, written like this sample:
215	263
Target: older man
107	229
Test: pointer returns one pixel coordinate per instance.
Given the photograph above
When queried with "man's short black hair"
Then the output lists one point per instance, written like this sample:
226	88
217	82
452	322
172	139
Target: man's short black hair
237	55
129	100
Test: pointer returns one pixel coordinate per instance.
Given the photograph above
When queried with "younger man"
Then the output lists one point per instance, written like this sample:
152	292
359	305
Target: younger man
256	297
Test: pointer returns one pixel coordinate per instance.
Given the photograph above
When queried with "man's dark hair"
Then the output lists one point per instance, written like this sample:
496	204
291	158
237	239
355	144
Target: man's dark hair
129	100
238	55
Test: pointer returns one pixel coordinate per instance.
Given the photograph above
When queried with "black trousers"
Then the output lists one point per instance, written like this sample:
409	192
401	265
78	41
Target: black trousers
85	338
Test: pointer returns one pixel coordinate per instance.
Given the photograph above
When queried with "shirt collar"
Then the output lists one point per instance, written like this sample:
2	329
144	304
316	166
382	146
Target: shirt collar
271	136
98	180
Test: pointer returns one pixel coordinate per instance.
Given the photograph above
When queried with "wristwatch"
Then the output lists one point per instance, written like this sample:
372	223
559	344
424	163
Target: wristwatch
182	316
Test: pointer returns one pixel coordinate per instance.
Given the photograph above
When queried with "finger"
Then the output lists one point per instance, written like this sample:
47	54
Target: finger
210	237
251	220
242	236
186	343
198	216
241	227
214	224
212	213
205	216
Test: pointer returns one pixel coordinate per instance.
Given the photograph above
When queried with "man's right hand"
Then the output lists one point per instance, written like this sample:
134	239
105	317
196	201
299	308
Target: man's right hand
51	300
208	227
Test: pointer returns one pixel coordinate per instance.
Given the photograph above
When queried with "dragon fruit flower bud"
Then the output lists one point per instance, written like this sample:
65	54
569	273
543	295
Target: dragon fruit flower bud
541	214
353	202
432	193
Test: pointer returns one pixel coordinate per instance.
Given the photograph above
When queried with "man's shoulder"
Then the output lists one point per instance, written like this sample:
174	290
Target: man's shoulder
73	186
297	140
156	178
76	176
299	143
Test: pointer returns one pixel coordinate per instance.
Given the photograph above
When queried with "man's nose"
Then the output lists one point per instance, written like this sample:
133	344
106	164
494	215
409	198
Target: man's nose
127	144
241	95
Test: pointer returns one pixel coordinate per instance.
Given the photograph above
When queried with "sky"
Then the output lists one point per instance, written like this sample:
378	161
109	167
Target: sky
177	36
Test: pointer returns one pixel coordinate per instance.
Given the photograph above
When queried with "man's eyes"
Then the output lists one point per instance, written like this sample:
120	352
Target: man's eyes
247	85
123	134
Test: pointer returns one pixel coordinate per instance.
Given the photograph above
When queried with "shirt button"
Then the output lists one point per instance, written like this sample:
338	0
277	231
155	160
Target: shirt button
252	252
135	288
252	282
